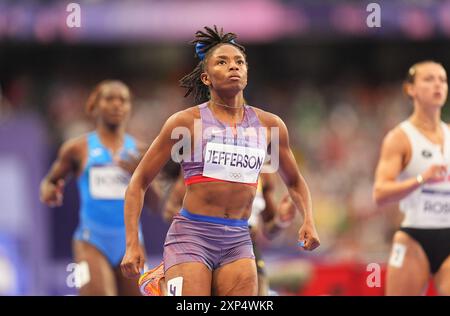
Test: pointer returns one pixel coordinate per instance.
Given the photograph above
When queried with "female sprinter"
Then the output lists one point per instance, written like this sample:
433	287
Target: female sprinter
102	161
208	249
412	170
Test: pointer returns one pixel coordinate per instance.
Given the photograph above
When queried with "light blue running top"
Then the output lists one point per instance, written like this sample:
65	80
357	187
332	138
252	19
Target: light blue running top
102	184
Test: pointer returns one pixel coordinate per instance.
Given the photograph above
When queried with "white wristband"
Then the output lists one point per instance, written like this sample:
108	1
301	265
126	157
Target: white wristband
419	179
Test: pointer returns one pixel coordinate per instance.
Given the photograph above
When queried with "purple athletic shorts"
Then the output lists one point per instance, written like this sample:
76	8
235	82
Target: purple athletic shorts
213	241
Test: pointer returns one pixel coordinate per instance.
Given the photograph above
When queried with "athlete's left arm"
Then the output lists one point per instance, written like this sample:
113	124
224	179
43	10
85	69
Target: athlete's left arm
297	187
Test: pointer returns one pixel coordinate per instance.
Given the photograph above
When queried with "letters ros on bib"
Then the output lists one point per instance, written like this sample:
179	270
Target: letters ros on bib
434	206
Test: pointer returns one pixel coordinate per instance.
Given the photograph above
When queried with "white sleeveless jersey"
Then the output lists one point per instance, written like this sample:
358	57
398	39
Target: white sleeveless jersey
429	205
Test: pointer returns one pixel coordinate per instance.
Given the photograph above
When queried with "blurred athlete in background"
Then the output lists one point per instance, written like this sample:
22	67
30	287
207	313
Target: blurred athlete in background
413	170
102	161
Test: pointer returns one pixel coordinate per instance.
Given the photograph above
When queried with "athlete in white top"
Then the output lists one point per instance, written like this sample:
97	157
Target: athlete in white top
429	205
412	170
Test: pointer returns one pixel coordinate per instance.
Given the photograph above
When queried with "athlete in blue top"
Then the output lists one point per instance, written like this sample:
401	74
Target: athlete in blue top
103	162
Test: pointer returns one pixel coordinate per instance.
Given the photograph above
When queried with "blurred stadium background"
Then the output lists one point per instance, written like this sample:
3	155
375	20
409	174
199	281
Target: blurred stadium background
335	81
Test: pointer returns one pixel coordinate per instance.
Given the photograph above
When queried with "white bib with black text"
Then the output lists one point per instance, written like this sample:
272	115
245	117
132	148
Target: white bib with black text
233	163
108	182
429	205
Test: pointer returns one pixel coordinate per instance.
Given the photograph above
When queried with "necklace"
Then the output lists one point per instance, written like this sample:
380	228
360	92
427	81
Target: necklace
233	107
227	106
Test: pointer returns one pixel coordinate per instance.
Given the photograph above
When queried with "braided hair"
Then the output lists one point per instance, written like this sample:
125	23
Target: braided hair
204	43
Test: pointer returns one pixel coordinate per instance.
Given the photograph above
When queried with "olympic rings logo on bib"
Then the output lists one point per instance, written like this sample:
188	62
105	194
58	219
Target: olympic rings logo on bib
235	175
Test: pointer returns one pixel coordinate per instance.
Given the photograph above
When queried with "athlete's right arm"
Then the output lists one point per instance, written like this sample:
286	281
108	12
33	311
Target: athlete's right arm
153	161
393	152
66	164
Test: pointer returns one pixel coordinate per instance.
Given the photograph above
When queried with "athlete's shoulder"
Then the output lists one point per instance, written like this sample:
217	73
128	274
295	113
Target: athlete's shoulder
396	133
268	119
192	112
73	148
75	143
184	117
396	139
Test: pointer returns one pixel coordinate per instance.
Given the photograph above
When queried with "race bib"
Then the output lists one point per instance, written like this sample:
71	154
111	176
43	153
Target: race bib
108	182
233	163
434	207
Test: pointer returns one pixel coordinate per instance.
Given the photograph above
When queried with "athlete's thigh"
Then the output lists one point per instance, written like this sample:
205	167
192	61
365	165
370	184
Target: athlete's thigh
442	278
408	269
97	272
237	278
188	279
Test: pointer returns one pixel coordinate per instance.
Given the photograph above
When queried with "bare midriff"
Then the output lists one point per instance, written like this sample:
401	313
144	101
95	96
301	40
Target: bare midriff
220	199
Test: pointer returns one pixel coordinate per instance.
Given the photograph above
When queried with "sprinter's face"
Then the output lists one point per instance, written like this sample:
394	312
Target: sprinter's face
114	104
225	69
430	85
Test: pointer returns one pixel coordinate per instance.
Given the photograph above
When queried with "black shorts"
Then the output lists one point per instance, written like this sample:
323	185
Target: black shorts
435	243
